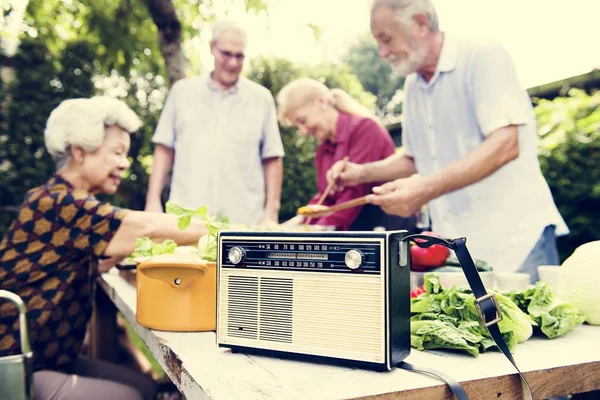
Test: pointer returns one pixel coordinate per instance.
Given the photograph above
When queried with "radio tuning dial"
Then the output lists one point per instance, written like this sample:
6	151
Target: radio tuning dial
354	258
236	255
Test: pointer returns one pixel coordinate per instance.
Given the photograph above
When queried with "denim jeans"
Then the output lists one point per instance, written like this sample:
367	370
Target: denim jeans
544	253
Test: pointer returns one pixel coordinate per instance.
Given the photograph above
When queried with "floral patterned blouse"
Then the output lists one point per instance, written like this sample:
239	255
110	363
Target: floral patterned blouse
49	257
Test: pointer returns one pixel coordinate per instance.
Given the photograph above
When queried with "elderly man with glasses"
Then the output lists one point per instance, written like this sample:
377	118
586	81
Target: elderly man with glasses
219	133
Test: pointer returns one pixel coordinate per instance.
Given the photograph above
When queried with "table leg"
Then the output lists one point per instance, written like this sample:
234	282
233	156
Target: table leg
103	328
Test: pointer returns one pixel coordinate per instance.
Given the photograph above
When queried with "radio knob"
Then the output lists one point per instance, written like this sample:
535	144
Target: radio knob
236	255
354	258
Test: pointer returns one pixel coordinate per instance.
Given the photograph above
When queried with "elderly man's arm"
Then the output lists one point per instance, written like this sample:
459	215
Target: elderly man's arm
405	196
158	227
500	148
273	169
398	165
344	173
161	167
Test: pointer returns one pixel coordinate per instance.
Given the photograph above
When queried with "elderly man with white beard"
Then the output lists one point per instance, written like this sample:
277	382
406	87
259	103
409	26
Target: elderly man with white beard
469	139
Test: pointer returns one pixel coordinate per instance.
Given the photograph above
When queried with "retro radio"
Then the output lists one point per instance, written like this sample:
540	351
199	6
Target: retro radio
336	295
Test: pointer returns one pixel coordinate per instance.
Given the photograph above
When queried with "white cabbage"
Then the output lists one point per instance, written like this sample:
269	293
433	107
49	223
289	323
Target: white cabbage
579	282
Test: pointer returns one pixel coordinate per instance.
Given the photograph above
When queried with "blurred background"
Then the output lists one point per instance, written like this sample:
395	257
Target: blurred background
51	50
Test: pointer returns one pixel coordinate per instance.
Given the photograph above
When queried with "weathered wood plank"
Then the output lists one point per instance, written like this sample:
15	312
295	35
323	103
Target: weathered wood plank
201	370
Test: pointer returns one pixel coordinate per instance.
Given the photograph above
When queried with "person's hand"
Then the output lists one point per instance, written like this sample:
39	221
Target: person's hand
105	264
154	205
402	197
270	217
345	173
294	221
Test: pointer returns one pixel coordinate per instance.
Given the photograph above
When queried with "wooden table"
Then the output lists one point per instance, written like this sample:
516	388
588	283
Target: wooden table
201	370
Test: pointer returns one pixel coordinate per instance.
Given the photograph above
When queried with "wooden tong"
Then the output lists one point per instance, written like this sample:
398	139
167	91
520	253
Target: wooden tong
326	192
360	201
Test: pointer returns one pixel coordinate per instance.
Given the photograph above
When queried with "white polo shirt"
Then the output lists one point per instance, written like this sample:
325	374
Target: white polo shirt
220	139
473	92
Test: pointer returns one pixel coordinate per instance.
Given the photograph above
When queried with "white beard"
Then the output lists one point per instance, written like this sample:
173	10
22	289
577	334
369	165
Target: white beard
405	66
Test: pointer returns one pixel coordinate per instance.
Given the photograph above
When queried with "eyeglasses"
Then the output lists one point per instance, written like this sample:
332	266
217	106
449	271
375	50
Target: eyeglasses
239	57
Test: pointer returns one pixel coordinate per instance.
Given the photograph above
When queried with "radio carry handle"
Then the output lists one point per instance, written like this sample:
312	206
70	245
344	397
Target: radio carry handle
485	303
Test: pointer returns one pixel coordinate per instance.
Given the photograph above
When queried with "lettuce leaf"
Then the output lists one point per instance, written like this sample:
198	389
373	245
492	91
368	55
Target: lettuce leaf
457	324
554	318
207	245
435	334
144	247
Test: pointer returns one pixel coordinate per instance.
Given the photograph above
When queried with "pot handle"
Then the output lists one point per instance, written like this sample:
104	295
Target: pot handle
178	277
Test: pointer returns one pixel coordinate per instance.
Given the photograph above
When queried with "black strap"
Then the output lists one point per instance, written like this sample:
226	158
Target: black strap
486	304
456	388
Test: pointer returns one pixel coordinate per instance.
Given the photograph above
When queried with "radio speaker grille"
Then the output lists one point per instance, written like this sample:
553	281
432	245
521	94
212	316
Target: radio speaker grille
260	308
276	296
324	314
242	304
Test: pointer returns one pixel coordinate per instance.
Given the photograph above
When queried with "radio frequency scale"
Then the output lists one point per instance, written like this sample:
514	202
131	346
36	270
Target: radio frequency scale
337	295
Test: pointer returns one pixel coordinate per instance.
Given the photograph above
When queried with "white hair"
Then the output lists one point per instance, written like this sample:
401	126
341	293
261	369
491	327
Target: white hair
405	11
222	27
81	122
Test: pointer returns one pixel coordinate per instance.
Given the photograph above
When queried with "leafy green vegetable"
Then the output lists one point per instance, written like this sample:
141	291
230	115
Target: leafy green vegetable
144	247
433	334
447	318
560	320
207	246
514	319
553	318
457	324
213	223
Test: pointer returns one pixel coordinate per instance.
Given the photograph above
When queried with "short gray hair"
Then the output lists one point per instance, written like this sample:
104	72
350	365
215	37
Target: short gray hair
81	122
405	10
228	26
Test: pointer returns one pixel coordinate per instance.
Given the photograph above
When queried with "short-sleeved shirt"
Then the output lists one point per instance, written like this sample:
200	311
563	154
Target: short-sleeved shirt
363	141
220	139
49	258
474	92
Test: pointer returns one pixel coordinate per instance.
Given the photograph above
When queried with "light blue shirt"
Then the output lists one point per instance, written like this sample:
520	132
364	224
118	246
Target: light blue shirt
474	92
220	139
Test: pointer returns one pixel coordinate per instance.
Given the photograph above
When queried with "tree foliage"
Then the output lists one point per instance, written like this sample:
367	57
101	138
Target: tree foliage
125	34
375	74
569	151
39	86
121	32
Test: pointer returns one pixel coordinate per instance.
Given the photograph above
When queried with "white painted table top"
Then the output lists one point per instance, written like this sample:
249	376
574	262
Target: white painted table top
201	370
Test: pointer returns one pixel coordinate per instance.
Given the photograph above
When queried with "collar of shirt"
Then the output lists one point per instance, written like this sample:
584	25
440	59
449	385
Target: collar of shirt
57	179
342	133
446	63
212	85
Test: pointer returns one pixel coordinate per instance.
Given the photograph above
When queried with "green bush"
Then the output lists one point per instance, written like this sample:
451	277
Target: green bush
569	152
133	188
39	86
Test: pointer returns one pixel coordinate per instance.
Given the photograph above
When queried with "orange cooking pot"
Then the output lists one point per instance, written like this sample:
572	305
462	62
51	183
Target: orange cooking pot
177	292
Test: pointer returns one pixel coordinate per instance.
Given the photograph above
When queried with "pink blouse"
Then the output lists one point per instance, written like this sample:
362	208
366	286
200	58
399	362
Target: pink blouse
363	141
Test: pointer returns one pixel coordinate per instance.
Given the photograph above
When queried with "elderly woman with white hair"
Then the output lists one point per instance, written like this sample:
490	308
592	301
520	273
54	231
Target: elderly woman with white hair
50	254
345	130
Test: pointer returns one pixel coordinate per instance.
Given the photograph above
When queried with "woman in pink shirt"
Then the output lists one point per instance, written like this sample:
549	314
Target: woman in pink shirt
343	128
